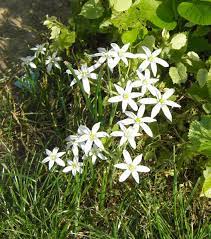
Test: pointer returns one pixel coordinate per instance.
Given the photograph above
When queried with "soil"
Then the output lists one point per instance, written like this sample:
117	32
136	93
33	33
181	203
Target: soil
21	27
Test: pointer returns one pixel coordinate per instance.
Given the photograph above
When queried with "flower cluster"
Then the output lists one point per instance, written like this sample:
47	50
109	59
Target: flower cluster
134	95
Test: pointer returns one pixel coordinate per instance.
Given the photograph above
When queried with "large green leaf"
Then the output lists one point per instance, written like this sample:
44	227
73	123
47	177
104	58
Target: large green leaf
92	9
196	12
160	13
121	5
206	189
200	135
178	74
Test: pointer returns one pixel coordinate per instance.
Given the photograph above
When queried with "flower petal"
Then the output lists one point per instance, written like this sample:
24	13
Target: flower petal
135	176
168	94
172	103
95	127
124	176
86	85
147	129
161	62
137	159
154	68
155	110
142	169
127	157
115	99
121	165
166	112
60	162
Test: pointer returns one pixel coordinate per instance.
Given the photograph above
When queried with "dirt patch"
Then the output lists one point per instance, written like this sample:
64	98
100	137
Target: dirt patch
21	27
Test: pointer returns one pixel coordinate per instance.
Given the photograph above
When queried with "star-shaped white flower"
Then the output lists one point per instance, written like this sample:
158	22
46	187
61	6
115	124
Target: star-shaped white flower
127	135
72	140
138	120
39	49
145	82
53	61
161	102
131	167
105	56
54	157
151	59
28	61
126	96
121	54
90	137
74	166
95	153
84	74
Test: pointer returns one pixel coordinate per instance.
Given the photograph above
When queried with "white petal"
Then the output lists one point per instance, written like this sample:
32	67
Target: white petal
102	134
124	105
135	95
161	62
45	160
48	152
148	101
130	114
154	68
88	146
172	103
124	59
135	176
124	176
115	99
141	111
168	94
115	46
137	159
132	142
55	150
142	169
93	76
121	165
67	169
156	52
127	121
133	105
119	89
125	47
99	143
83	138
147	51
60	162
127	157
155	110
86	85
60	154
130	55
96	127
117	134
166	112
51	163
123	140
144	65
147	129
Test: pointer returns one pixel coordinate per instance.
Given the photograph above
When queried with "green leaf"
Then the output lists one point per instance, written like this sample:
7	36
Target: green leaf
179	41
200	135
121	5
92	9
55	31
130	36
178	74
206	189
160	13
196	12
202	77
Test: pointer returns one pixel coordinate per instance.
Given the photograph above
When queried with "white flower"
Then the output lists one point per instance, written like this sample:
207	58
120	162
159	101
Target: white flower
54	157
152	60
84	74
127	135
161	102
52	61
138	120
90	137
145	82
74	166
105	55
131	167
95	153
121	54
126	96
28	61
39	49
72	141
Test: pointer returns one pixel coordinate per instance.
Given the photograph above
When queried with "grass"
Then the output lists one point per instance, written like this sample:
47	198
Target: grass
36	203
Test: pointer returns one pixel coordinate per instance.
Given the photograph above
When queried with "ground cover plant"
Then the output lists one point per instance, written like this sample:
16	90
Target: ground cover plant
106	131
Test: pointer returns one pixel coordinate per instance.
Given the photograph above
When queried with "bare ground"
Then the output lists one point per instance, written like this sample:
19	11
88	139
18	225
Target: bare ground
21	27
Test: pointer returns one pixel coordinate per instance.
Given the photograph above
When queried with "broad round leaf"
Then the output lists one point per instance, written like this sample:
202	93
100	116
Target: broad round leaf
92	9
179	41
130	36
178	74
196	12
122	5
159	13
202	77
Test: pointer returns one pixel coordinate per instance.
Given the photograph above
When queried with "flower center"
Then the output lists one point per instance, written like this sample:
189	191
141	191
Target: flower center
131	167
138	120
53	157
145	82
74	165
126	96
121	53
162	101
92	136
151	58
84	73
